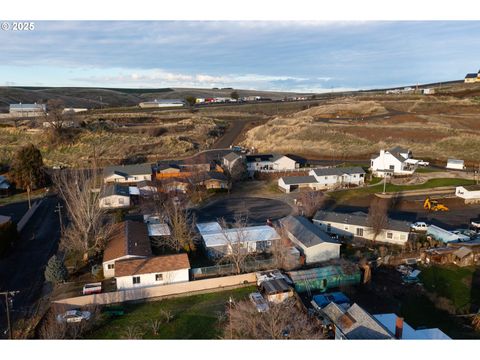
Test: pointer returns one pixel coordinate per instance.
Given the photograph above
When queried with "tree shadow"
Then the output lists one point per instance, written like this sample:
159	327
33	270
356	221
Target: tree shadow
475	291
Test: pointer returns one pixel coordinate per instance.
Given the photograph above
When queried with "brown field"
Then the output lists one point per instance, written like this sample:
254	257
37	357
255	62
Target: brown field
435	128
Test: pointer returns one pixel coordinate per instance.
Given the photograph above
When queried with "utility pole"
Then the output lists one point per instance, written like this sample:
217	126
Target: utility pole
58	209
7	294
230	301
384	182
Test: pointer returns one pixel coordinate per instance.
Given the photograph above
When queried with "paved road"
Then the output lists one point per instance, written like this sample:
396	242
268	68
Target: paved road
22	270
257	209
14	210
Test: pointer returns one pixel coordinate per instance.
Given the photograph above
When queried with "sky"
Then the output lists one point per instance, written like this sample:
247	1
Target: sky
273	55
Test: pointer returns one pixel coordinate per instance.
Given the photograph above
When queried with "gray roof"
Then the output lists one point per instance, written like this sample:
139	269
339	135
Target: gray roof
26	107
305	232
358	218
125	170
215	175
232	156
339	171
471	75
4	183
275	286
115	189
295	180
455	161
398	149
356	323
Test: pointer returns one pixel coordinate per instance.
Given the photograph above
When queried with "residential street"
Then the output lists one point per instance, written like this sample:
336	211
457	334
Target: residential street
22	270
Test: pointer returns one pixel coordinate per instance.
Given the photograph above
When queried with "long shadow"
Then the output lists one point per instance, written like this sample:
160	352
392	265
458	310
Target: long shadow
475	291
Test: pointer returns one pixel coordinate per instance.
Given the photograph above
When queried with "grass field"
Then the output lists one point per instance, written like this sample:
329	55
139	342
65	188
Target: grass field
194	317
342	195
458	284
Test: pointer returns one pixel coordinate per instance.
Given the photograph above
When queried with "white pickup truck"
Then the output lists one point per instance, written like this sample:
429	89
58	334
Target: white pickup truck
419	227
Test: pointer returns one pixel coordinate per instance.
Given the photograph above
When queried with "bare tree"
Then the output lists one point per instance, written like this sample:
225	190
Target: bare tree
377	216
55	116
282	321
281	251
87	231
182	225
132	332
237	171
155	326
237	250
309	202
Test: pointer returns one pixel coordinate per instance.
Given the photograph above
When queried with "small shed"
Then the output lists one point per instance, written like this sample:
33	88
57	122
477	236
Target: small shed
338	298
455	164
276	290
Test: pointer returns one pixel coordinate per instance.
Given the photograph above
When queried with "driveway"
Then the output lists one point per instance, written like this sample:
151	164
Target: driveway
257	210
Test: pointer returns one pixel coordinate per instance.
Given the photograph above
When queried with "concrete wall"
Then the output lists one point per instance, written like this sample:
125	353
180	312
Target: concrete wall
146	280
153	292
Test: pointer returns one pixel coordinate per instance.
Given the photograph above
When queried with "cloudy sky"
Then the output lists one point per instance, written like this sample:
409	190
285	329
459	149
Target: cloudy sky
297	56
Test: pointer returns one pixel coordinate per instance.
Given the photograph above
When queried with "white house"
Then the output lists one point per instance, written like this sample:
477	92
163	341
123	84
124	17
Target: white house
115	196
471	194
128	239
219	241
455	164
159	103
152	271
230	160
129	174
315	244
356	225
322	179
266	162
394	162
27	109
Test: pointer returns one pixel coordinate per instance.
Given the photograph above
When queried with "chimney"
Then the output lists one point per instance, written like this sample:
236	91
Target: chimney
399	328
382	152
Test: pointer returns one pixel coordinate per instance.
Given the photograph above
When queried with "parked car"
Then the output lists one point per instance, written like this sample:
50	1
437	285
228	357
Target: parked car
93	288
74	316
423	163
419	226
257	299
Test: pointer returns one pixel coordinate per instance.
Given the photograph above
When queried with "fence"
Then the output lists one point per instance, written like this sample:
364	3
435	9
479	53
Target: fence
190	287
229	269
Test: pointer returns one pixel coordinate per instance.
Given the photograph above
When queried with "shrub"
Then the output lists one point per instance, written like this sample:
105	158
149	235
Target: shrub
156	132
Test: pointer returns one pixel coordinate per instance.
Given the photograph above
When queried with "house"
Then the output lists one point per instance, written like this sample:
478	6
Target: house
471	78
355	224
219	242
269	162
397	161
177	185
160	103
230	160
445	236
146	188
455	164
403	331
115	196
325	277
276	290
315	244
471	194
128	240
127	174
354	323
322	179
214	180
6	187
152	271
27	109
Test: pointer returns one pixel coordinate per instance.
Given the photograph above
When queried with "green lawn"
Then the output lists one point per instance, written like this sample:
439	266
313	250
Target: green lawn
195	317
432	183
454	283
424	170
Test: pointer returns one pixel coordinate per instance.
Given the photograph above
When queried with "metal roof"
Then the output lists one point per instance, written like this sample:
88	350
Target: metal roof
275	286
232	156
297	180
358	218
471	75
338	171
115	189
216	236
409	333
338	298
305	232
26	107
126	170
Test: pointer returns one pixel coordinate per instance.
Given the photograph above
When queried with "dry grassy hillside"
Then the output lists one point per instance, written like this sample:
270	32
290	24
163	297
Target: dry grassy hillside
433	127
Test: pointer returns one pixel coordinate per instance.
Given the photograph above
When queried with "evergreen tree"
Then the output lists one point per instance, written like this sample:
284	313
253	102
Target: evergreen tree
27	168
56	271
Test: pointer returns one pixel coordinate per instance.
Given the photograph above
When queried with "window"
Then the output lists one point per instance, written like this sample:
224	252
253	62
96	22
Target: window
134	178
389	235
329	227
108	202
110	266
326	177
136	280
158	277
360	232
392	167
